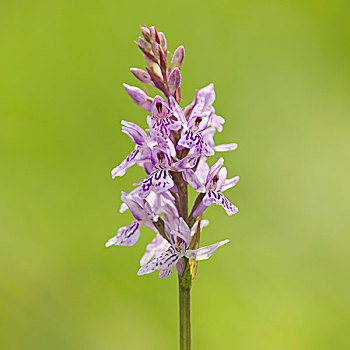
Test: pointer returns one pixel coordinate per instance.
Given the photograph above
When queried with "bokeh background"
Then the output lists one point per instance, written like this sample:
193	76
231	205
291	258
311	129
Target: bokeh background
281	72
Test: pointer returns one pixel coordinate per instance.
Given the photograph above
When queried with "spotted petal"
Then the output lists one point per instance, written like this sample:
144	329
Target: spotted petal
154	249
127	235
158	181
195	141
213	197
164	263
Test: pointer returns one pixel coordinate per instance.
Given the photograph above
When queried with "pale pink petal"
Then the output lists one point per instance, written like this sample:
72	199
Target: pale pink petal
225	147
204	252
217	122
202	169
190	176
184	231
222	178
136	133
129	161
208	94
230	183
185	163
213	171
179	114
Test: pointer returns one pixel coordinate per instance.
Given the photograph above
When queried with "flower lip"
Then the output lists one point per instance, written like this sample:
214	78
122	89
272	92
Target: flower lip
214	182
159	107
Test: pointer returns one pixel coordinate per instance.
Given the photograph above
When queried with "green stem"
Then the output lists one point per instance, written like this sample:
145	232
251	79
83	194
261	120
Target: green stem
185	316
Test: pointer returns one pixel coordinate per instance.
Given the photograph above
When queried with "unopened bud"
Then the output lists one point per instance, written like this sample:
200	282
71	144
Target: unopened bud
138	96
144	44
155	49
141	75
162	40
146	33
174	80
153	33
151	64
178	57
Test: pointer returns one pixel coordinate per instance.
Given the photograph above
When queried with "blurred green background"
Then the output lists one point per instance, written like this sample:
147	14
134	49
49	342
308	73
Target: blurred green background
281	71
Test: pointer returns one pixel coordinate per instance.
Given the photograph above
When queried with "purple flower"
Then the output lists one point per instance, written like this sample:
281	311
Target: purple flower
193	138
143	214
160	180
160	244
163	118
142	151
180	240
208	93
215	184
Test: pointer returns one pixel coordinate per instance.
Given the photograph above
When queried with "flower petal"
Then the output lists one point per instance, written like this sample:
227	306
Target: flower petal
136	209
213	171
190	176
184	231
129	161
225	147
217	122
127	235
213	197
185	163
222	178
159	181
230	183
208	94
204	252
154	249
136	133
165	263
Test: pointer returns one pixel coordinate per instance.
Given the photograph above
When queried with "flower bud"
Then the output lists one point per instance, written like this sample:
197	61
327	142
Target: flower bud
174	80
146	33
153	33
155	49
162	40
144	44
151	64
141	75
178	57
138	96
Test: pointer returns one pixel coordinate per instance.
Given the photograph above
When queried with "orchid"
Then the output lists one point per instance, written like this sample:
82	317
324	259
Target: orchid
217	182
175	150
141	152
180	240
143	214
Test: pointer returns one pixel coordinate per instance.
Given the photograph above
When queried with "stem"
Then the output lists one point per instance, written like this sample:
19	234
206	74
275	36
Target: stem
185	316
